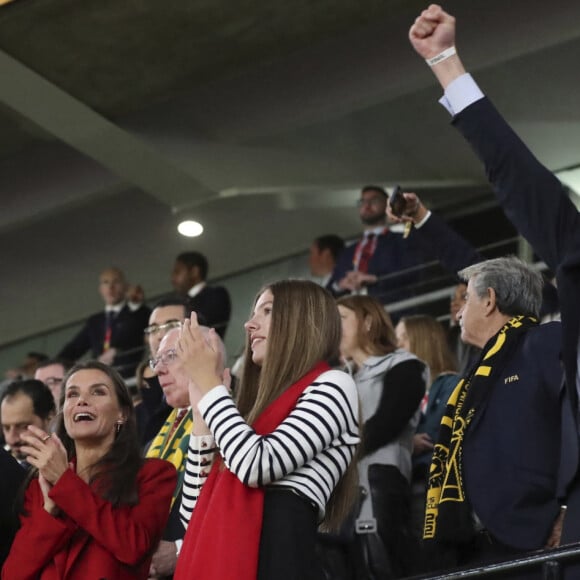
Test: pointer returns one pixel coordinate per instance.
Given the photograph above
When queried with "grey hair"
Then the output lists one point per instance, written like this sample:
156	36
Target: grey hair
221	346
518	288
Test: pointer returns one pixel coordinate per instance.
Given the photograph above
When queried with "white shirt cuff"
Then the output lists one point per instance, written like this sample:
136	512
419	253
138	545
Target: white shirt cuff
424	220
461	93
178	544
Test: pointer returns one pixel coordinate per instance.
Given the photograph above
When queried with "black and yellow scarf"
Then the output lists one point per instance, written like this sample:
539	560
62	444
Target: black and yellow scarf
448	515
173	448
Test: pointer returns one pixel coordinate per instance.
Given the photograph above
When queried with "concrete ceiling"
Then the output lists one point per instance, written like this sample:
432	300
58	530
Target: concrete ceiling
262	119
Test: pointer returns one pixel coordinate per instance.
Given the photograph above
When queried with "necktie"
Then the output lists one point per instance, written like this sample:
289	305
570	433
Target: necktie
180	415
366	251
109	316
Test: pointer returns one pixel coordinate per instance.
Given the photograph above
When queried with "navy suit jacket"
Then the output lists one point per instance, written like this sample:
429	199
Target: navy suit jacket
437	239
536	203
214	307
174	529
11	478
511	451
393	254
126	336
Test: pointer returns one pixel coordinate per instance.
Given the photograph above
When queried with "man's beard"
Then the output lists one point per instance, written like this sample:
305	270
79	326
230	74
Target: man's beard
17	454
375	220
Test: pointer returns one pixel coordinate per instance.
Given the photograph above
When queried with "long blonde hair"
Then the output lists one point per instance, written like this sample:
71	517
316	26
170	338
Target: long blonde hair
304	329
428	341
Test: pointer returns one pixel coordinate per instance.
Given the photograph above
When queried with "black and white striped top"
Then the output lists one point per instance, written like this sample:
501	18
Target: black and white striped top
308	452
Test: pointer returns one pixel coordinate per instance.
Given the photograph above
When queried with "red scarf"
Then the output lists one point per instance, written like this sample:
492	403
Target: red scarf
223	535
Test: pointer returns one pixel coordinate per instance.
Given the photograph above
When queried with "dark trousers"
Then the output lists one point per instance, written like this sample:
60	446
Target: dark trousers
392	550
391	496
288	538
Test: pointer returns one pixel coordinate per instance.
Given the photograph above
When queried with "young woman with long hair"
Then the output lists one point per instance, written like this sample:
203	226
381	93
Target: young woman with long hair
281	453
425	337
391	384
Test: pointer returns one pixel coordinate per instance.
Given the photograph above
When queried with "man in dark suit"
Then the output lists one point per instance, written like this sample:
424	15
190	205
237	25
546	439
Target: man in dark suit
211	303
324	252
376	264
537	204
493	485
52	373
24	403
115	335
439	240
12	478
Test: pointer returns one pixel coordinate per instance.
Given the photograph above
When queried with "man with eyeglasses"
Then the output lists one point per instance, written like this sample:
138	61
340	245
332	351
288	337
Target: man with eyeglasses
171	444
366	267
51	373
168	313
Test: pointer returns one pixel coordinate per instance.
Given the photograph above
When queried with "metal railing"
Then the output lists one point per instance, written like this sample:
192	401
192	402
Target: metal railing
550	562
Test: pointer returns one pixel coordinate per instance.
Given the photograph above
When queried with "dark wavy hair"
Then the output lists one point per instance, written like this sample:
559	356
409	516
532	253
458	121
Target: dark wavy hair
115	474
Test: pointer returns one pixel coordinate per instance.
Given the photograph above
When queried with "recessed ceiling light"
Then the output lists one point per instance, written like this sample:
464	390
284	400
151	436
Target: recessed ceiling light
190	228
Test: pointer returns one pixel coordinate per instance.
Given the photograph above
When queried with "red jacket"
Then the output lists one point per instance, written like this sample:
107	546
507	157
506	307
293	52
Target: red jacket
91	540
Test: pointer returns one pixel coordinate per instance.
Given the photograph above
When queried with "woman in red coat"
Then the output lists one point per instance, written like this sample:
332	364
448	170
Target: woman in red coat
96	509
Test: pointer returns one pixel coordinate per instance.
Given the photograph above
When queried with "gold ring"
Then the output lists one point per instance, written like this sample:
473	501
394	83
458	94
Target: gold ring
45	438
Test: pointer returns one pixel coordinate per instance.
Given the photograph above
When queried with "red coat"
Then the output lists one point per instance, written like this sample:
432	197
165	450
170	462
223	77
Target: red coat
91	540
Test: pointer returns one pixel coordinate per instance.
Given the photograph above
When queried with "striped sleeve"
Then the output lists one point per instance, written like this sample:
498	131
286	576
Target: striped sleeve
200	457
326	412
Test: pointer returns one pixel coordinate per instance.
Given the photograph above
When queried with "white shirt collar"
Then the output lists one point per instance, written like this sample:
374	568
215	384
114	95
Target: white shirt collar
116	308
378	231
195	290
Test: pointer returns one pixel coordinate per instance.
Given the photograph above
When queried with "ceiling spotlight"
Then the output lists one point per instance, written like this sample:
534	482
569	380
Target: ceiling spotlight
190	229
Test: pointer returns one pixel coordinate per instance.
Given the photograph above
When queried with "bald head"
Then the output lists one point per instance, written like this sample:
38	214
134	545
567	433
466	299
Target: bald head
112	286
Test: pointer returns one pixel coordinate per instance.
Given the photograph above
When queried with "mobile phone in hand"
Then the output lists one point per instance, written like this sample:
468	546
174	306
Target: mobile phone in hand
397	201
398	205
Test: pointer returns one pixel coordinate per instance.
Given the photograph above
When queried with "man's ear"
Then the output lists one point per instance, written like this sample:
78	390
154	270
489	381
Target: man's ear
490	302
195	273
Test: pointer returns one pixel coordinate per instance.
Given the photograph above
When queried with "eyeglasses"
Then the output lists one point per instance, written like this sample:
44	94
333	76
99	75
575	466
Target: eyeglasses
155	328
52	381
166	358
376	201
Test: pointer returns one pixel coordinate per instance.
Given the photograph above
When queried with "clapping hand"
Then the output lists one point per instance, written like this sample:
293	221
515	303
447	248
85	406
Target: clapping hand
199	357
47	453
355	280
